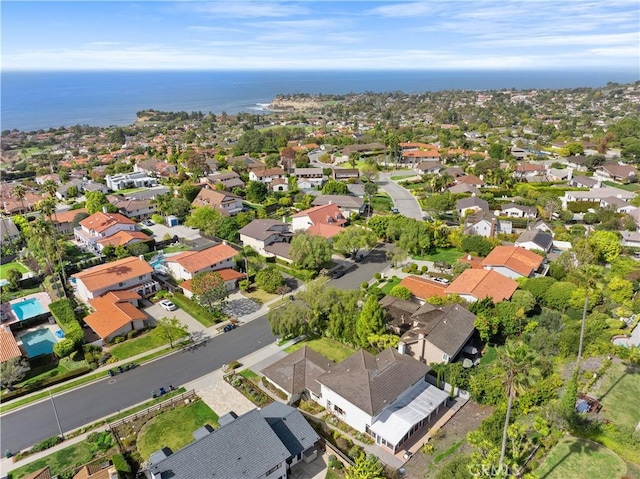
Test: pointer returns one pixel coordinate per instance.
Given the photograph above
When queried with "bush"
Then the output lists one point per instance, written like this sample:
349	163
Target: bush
377	276
118	340
401	292
233	365
121	464
364	285
46	444
64	348
333	462
424	269
413	268
132	334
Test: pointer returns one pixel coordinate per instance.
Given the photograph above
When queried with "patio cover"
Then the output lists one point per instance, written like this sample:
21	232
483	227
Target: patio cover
397	419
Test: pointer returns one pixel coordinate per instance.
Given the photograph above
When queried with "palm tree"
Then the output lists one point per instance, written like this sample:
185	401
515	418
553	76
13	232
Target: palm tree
519	367
590	277
19	192
47	208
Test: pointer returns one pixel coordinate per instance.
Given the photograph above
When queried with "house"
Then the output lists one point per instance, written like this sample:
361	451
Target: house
325	220
476	284
630	238
472	203
385	396
267	175
617	171
582	181
578	162
136	179
97	471
128	274
262	443
49	177
189	263
122	238
153	167
343	174
617	204
99	226
223	201
9	348
8	230
279	184
484	223
541	225
438	334
115	314
416	156
228	180
428	167
471	180
349	205
596	194
312	177
64	220
260	234
519	153
137	209
297	373
229	276
514	262
62	193
43	473
535	239
518	211
423	289
529	171
149	193
463	188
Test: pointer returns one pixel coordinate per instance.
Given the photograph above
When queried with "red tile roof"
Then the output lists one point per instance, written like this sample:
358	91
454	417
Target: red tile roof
110	274
227	274
8	346
68	216
423	288
481	283
327	214
124	238
325	230
112	312
517	259
194	261
101	221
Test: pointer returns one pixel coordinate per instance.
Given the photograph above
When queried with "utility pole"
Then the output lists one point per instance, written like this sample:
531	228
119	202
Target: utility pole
55	413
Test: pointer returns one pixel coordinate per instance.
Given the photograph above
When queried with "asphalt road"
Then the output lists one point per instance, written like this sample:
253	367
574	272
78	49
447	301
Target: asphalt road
373	263
406	203
23	428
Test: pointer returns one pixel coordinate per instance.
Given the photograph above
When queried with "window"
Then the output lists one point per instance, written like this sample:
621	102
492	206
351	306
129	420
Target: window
141	277
120	284
273	469
338	410
445	357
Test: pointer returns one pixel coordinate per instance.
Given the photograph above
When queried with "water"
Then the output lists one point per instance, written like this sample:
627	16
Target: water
28	308
42	100
38	342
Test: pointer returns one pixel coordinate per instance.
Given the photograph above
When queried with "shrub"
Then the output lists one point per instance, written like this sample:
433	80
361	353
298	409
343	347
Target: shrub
121	464
377	276
333	462
413	268
424	269
118	340
401	292
233	365
364	285
132	334
46	444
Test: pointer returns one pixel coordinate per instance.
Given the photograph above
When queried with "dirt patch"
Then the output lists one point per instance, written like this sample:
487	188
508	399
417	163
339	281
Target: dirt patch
467	419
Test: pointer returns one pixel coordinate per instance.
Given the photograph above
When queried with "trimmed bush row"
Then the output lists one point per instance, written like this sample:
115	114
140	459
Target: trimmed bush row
44	383
62	311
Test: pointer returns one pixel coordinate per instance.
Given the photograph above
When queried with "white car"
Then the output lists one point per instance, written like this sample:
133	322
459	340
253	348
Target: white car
168	305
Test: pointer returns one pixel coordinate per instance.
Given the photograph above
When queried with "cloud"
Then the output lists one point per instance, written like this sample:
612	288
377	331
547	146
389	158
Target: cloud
246	9
401	10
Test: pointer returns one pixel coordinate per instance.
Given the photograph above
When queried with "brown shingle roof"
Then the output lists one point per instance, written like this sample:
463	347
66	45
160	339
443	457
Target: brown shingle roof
44	473
68	216
373	382
110	274
298	371
213	198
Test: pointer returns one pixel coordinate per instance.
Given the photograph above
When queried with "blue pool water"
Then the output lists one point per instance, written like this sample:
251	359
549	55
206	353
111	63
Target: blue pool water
38	342
28	308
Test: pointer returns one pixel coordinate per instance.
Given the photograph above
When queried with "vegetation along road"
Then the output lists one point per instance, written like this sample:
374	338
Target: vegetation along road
24	427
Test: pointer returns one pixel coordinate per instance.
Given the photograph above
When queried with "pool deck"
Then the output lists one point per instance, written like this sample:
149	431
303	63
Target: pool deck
42	297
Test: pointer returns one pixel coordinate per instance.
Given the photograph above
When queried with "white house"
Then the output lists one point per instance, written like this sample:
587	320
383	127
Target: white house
310	177
518	211
514	262
267	175
102	225
259	234
535	239
186	265
136	179
225	202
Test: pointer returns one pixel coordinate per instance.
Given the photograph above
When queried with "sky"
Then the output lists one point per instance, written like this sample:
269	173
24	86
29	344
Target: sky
321	35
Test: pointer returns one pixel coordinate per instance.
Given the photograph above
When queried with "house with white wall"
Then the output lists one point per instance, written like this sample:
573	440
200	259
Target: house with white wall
102	225
259	234
189	263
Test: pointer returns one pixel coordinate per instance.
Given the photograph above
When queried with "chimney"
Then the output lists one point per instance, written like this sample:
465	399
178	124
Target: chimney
570	175
104	209
141	257
469	257
224	242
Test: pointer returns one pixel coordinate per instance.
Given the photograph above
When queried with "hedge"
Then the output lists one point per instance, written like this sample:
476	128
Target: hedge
44	383
62	311
582	206
46	444
122	465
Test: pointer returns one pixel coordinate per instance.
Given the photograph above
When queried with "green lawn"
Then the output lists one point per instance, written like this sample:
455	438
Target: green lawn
448	255
13	265
381	202
175	249
629	187
261	296
388	286
329	348
142	344
36	375
250	375
60	461
617	392
161	431
401	177
201	315
574	458
131	190
490	355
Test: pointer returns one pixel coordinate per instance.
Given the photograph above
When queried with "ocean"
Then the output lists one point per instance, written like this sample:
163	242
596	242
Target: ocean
42	100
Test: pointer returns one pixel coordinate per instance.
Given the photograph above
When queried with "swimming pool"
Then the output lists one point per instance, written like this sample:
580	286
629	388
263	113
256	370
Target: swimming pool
28	308
40	341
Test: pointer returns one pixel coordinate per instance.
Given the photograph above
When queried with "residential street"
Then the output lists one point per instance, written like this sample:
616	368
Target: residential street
373	263
24	427
406	203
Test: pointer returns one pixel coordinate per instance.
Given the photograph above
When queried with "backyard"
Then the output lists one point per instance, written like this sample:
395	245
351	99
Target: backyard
161	431
329	348
13	265
447	255
574	458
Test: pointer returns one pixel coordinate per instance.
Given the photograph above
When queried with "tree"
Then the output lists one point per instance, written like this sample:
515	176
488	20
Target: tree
138	249
12	371
171	329
96	200
19	192
290	320
257	191
189	191
365	467
476	244
310	252
370	172
353	238
122	252
605	245
437	204
269	279
13	276
333	187
210	290
371	320
519	370
401	292
205	219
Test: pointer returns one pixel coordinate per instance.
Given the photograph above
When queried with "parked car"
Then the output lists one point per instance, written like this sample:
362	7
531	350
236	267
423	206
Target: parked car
168	305
229	327
147	223
395	211
338	273
442	280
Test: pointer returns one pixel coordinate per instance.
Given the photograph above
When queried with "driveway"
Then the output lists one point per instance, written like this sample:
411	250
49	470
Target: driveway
238	307
181	231
406	203
157	312
375	262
